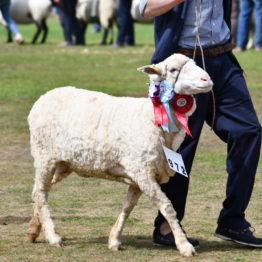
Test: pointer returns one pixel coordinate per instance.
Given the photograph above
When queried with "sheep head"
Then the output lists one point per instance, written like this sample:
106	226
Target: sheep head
182	73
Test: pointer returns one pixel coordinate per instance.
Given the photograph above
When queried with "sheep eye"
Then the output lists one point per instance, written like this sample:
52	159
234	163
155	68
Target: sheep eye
173	70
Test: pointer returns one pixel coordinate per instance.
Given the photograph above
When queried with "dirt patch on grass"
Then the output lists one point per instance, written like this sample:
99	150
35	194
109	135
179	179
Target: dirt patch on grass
13	220
15	148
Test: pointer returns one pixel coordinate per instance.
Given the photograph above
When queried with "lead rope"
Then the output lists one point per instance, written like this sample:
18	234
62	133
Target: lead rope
198	12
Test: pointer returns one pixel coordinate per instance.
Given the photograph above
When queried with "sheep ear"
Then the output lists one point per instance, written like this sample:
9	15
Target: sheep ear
150	69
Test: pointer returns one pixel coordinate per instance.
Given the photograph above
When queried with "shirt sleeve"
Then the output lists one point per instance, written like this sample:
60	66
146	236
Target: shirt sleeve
142	5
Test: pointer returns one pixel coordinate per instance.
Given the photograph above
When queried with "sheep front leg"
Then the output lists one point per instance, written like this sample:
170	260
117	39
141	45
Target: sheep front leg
133	194
152	189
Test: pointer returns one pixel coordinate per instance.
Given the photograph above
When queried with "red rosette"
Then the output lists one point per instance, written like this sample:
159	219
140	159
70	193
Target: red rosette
182	103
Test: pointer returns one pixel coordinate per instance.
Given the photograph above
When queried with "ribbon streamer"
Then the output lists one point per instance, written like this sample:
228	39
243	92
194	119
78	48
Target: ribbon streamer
166	96
159	110
161	117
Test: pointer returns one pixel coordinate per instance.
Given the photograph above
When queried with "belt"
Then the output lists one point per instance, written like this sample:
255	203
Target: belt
209	51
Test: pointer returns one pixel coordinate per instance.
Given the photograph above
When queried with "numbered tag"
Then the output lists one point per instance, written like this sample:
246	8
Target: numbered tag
175	161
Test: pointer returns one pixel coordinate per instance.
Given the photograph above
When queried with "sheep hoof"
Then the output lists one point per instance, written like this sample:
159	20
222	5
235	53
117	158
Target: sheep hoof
59	245
115	247
57	242
32	238
187	250
34	230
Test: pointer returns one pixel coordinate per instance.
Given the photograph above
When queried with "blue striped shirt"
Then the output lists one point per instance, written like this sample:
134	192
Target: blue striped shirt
213	29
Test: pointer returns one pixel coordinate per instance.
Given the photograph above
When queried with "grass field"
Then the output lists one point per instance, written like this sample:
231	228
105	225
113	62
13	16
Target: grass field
85	209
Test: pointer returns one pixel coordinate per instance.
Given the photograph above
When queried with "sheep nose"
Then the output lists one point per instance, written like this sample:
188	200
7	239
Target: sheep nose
205	78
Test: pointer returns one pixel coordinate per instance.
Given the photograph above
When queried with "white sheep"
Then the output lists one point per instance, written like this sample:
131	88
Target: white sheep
83	10
107	10
107	18
32	11
102	10
115	138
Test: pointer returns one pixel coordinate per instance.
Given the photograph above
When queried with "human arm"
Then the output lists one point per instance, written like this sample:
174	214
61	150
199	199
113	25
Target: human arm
158	7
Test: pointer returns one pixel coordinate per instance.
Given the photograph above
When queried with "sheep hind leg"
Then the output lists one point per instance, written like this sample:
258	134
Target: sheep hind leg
45	31
158	198
41	214
111	32
37	33
9	36
34	228
104	38
133	195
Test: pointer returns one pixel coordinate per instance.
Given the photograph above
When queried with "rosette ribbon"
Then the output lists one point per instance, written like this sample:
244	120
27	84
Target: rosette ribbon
182	104
163	97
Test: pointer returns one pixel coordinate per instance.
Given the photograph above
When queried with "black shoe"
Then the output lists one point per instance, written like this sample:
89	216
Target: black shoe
241	236
168	240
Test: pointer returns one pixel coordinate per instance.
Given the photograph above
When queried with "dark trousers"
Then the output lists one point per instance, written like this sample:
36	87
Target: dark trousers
237	125
126	23
71	24
65	25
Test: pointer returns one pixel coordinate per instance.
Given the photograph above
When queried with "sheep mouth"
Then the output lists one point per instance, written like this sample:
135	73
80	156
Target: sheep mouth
205	87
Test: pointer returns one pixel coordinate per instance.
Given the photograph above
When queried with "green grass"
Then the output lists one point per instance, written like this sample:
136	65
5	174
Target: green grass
85	209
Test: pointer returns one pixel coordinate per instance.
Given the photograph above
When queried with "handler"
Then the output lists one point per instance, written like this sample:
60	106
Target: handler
235	120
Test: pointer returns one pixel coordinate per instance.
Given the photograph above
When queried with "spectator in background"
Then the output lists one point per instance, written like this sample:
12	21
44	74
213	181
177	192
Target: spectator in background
67	33
246	9
5	10
126	34
71	26
234	20
94	16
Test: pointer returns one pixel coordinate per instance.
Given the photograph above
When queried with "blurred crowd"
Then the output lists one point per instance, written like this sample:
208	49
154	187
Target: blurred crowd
246	22
9	22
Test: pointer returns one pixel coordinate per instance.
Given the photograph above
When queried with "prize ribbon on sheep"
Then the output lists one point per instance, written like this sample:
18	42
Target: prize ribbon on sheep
162	94
159	110
182	104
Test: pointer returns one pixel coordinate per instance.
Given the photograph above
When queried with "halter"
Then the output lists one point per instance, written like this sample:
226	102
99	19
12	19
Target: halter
198	12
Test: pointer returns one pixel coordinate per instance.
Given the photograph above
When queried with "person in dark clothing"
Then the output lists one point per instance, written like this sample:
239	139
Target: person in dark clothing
125	21
234	121
67	33
73	34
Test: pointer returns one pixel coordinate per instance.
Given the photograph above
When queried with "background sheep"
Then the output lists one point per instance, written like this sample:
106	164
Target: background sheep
107	18
97	135
85	9
32	11
103	11
106	13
